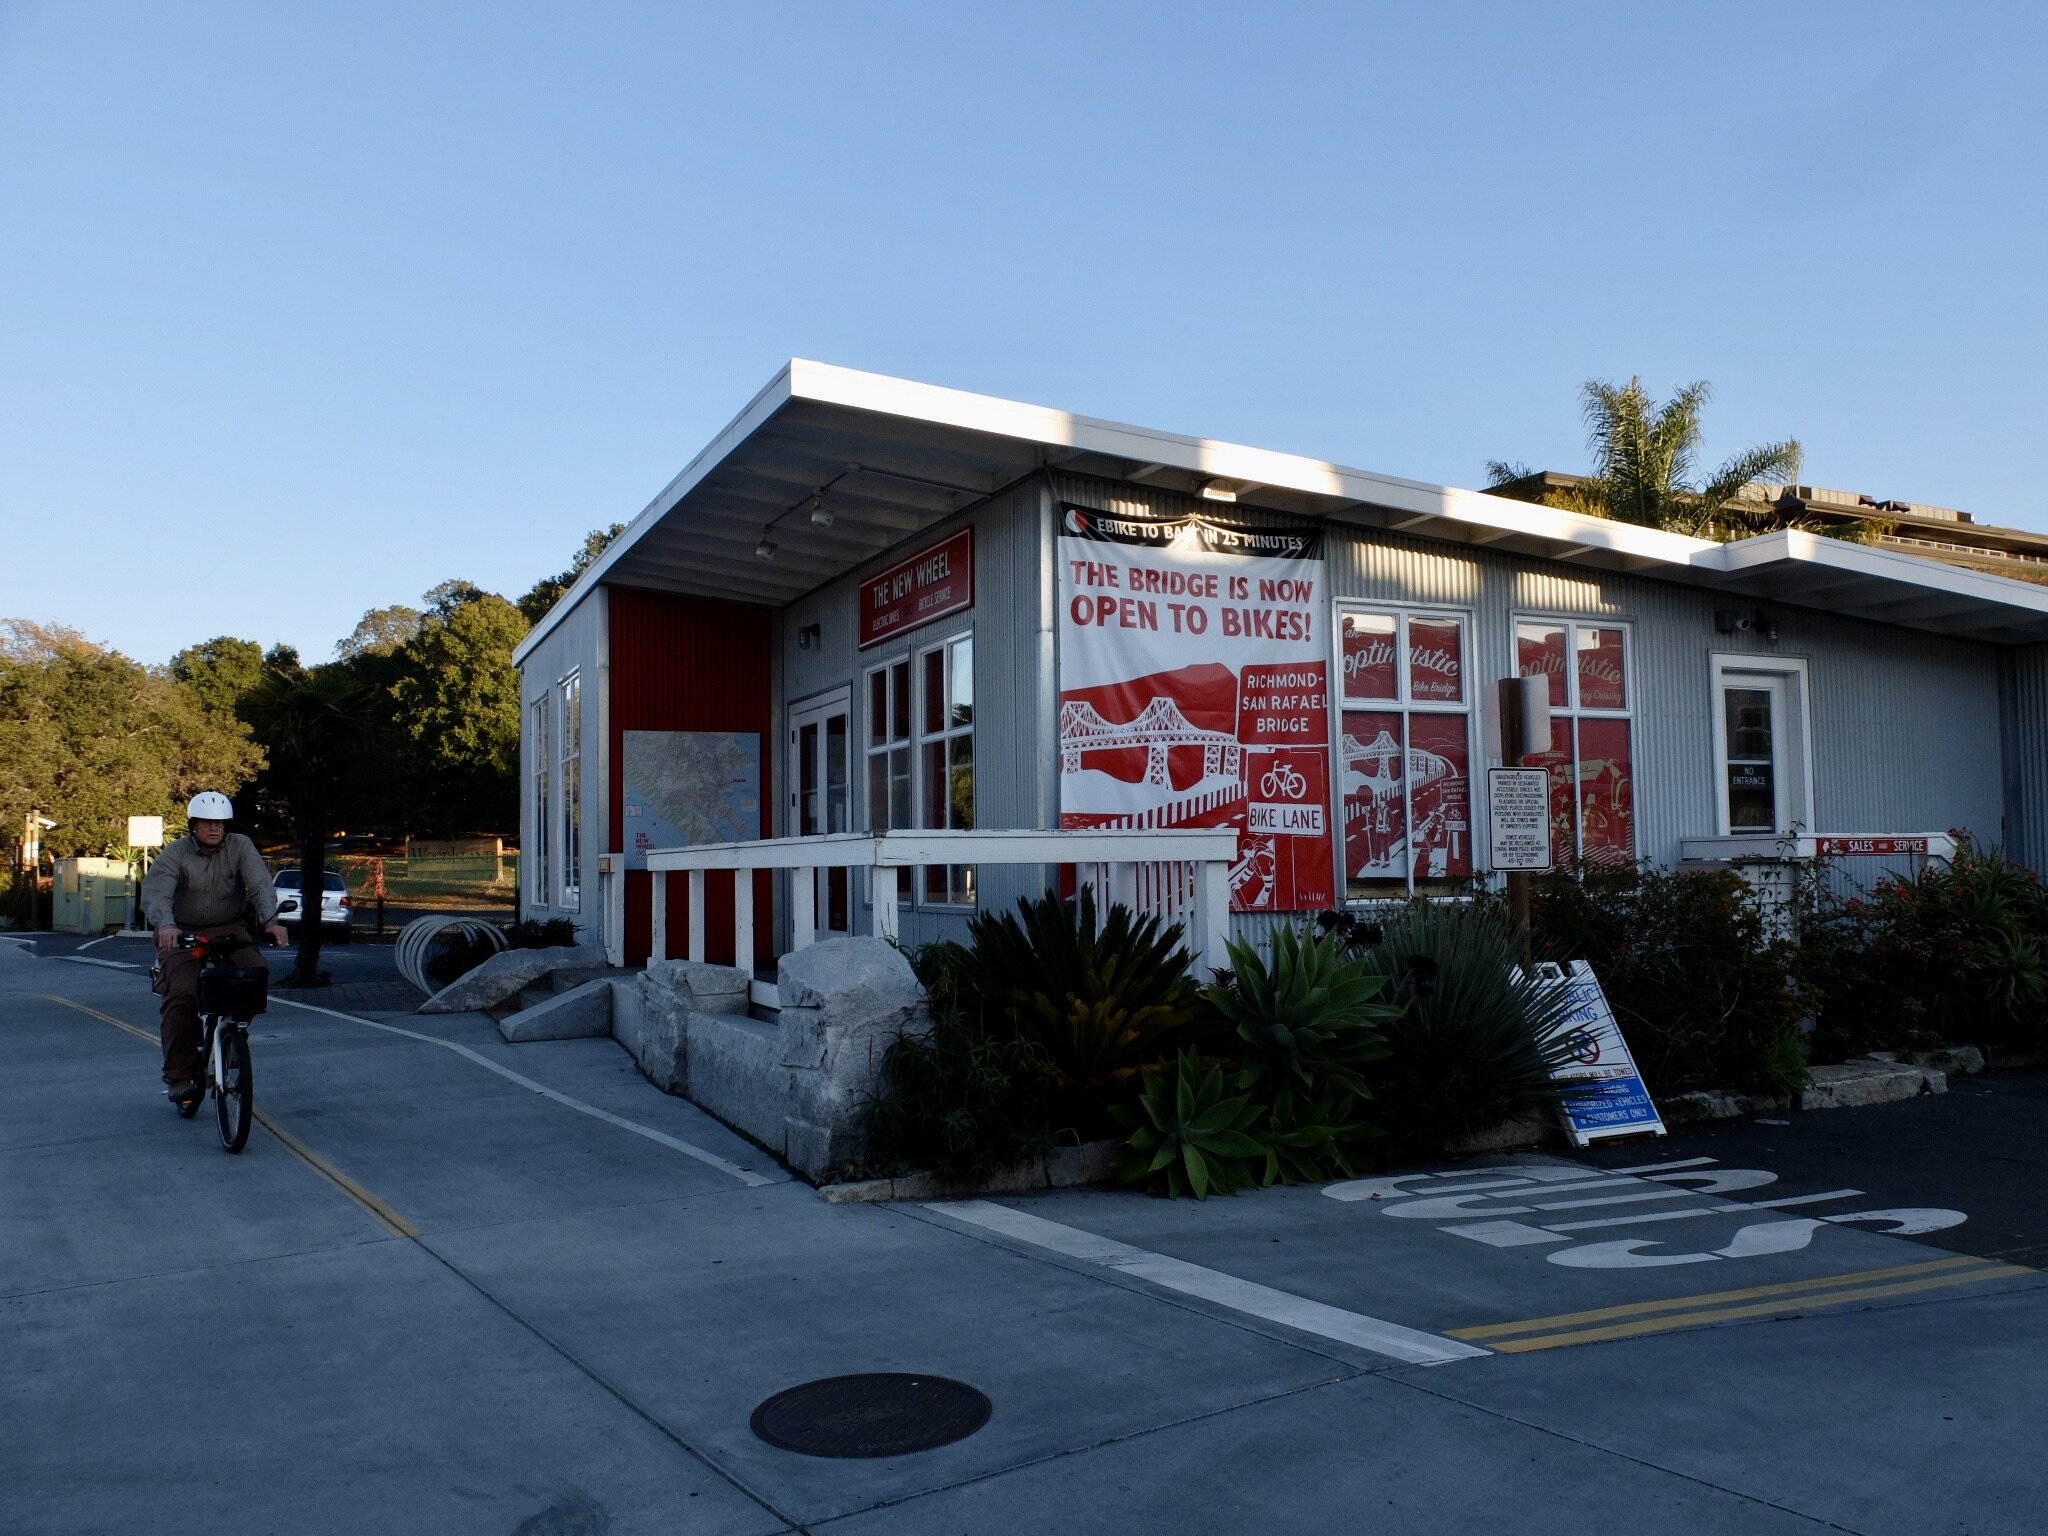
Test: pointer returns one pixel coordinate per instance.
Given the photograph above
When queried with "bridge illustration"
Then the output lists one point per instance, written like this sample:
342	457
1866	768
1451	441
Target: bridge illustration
1158	728
1375	766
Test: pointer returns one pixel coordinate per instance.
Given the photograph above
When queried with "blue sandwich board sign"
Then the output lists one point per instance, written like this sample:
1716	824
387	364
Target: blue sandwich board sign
1610	1098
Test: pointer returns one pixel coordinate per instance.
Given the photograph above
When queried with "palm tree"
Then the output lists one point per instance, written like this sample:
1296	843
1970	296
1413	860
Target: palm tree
309	722
1644	459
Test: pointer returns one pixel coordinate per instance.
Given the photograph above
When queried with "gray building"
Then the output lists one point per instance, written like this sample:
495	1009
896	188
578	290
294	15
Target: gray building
866	606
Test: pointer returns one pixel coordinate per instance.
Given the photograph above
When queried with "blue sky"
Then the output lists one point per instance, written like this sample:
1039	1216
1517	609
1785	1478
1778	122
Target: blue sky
304	309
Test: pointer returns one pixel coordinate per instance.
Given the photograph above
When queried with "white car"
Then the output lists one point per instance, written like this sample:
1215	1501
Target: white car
334	903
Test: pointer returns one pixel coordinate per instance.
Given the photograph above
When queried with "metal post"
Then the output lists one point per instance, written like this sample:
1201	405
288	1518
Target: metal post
1509	694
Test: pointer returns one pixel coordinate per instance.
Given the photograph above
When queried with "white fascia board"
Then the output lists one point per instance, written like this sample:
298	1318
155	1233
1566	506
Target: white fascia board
855	390
1792	549
772	397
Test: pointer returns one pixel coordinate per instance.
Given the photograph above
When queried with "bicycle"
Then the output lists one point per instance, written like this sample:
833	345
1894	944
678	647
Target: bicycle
230	996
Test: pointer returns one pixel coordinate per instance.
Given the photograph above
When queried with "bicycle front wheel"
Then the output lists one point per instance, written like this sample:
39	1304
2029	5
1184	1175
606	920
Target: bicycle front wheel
234	1096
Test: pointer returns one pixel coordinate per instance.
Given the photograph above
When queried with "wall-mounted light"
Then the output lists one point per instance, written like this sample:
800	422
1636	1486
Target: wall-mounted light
820	517
766	548
1218	490
807	637
1727	621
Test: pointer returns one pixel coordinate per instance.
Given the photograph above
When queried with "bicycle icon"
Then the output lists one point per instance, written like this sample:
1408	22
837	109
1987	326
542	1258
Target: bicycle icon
1283	781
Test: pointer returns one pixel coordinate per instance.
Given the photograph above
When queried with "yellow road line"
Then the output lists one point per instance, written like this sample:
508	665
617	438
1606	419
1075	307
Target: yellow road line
378	1208
1757	1309
1712	1298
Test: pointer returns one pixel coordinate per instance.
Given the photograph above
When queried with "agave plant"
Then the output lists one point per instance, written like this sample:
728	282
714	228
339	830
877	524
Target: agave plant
1309	1020
1476	1040
1311	1139
1096	1004
1188	1127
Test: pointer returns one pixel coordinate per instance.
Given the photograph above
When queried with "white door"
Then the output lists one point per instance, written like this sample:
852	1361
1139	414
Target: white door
1757	768
821	798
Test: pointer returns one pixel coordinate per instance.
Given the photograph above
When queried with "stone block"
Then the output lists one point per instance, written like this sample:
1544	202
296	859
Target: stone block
1951	1060
1855	1084
583	1013
736	1072
1066	1167
505	975
700	987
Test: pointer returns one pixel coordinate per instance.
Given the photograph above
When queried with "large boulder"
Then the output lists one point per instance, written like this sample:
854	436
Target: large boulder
844	1003
506	974
652	1020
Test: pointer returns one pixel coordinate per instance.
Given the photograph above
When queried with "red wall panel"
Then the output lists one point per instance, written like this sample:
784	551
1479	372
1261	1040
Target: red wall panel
691	664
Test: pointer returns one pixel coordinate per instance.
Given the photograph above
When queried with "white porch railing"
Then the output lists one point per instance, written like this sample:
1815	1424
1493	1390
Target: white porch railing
1180	875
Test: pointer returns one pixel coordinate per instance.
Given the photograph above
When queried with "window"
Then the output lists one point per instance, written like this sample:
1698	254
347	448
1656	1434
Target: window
1405	751
572	792
1592	751
945	744
920	758
537	859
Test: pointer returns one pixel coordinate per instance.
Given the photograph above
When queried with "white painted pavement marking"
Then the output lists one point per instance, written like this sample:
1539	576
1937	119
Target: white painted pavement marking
1298	1312
112	965
745	1175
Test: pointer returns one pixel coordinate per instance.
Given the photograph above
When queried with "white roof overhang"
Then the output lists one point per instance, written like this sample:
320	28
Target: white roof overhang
894	457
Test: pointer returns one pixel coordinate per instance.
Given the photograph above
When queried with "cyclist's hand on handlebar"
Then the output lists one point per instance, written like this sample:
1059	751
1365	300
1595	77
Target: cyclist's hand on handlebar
167	938
275	933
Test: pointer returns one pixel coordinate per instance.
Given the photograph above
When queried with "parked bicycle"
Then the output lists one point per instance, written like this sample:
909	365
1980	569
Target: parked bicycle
230	996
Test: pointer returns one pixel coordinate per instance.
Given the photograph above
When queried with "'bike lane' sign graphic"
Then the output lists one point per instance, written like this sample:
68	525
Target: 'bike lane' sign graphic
1539	1204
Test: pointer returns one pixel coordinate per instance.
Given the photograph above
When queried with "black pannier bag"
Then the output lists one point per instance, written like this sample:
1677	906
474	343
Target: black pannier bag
236	991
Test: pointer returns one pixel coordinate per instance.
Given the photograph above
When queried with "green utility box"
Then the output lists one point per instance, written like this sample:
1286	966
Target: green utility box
92	895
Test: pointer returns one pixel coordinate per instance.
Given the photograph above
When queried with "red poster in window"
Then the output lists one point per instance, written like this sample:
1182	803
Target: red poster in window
1436	661
1602	681
1539	652
1369	656
1606	792
1558	763
1375	816
1440	796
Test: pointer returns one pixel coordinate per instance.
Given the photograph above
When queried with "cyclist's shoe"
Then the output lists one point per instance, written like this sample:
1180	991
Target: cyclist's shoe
186	1096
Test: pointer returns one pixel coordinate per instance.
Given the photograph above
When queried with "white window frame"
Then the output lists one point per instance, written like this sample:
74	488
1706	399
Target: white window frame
1571	711
960	876
1404	704
569	692
912	658
543	810
1730	669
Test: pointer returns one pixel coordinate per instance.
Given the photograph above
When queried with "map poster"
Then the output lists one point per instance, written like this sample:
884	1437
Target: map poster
1194	691
687	788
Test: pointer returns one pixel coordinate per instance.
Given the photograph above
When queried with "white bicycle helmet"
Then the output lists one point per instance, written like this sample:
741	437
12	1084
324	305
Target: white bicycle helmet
210	805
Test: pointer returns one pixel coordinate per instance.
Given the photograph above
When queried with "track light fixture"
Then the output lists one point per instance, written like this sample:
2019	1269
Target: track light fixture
766	548
820	518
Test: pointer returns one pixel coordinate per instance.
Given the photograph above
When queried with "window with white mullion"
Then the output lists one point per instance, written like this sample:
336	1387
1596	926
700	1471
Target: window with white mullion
571	693
1592	752
537	856
888	755
946	761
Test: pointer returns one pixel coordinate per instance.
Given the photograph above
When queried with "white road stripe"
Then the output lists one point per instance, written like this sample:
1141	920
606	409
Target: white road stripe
1283	1307
1683	1162
745	1175
88	944
112	965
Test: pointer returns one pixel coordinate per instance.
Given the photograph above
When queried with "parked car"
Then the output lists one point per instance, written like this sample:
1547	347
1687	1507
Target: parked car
334	902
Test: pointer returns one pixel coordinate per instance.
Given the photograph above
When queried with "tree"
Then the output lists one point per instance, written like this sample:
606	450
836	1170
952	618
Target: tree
380	632
219	671
546	592
313	725
1643	467
90	737
458	706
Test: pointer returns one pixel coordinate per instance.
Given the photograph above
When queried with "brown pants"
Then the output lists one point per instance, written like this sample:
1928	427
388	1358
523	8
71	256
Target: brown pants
180	988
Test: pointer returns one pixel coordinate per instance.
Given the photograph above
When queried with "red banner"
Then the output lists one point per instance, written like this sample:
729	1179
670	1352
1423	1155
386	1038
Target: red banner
925	587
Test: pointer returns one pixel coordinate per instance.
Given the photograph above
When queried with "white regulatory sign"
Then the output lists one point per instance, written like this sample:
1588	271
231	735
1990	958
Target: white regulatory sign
1518	819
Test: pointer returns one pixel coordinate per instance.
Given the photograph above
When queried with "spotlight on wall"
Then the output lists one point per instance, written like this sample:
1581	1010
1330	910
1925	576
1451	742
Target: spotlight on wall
807	637
820	518
766	548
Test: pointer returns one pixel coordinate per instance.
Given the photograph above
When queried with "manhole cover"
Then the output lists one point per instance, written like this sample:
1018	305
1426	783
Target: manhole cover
873	1415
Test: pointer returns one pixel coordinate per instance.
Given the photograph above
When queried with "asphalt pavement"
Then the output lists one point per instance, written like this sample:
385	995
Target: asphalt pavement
460	1286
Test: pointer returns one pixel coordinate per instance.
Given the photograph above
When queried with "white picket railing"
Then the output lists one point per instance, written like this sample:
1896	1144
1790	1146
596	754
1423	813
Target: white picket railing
1181	875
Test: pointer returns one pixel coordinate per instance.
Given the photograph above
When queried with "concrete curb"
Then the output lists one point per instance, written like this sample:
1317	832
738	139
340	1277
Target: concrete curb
1062	1168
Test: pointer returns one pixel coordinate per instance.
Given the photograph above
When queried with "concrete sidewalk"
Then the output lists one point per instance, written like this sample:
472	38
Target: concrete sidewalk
507	1289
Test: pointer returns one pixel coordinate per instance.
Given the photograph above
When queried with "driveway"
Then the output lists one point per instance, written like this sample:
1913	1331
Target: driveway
455	1286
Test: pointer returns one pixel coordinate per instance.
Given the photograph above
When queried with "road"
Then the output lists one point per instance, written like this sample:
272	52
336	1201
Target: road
460	1286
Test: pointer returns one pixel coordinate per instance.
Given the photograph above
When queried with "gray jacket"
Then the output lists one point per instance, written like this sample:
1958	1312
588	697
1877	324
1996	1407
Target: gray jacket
196	889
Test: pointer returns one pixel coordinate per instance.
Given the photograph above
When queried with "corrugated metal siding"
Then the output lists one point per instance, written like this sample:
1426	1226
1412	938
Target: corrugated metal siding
2023	690
689	664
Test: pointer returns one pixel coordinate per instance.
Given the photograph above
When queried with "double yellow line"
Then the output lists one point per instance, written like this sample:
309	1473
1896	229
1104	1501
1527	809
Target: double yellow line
1676	1312
378	1208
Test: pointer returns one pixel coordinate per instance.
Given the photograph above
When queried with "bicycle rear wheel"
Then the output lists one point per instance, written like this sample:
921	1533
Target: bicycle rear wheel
234	1096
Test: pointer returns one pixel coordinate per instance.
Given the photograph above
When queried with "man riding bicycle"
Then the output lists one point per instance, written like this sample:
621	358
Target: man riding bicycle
204	883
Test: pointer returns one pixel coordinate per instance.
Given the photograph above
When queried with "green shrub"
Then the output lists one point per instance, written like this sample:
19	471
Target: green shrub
1474	1043
1096	1007
1308	1020
962	1101
454	953
1699	977
1955	953
1189	1133
552	934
